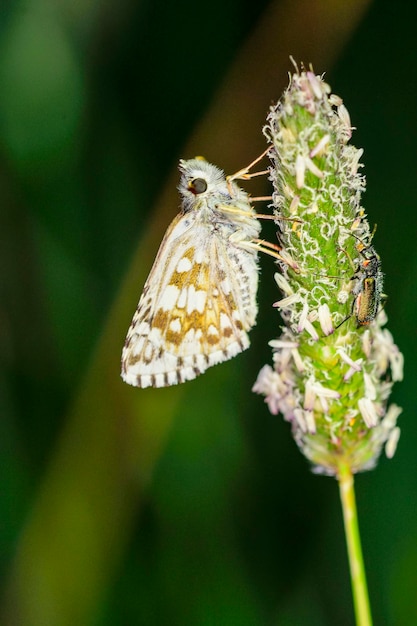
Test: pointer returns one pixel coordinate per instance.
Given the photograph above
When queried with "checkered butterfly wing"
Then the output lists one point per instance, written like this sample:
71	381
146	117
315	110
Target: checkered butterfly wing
200	298
195	309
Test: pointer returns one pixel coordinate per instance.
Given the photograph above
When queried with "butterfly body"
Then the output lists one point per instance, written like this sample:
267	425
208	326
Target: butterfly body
199	301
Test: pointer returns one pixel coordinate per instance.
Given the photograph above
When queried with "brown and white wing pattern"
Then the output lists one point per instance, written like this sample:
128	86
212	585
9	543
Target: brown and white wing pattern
199	301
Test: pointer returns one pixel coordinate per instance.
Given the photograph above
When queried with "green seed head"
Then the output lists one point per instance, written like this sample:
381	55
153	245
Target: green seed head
334	363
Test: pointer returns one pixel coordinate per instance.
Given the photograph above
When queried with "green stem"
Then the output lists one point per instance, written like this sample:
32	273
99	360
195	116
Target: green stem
357	569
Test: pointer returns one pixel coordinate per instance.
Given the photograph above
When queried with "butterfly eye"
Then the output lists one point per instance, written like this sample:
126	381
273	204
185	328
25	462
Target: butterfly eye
197	186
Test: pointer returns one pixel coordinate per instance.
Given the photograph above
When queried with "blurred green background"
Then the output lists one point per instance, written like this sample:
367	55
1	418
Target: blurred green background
190	505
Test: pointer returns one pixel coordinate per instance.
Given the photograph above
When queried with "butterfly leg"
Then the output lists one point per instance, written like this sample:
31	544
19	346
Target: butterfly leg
260	245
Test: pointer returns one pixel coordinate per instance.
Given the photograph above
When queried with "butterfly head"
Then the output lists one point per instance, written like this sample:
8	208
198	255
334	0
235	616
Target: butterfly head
201	180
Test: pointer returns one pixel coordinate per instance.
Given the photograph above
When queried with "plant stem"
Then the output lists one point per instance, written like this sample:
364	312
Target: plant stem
356	564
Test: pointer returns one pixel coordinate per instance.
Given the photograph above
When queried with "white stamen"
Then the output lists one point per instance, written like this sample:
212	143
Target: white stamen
325	392
294	204
370	391
343	114
312	167
283	283
317	85
300	169
303	318
320	146
391	445
324	404
299	418
305	324
281	360
325	319
286	302
279	343
310	421
263	382
368	412
345	357
355	165
391	417
335	100
299	363
356	367
309	396
308	326
397	364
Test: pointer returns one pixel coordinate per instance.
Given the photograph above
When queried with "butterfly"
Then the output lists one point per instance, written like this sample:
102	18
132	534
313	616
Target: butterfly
199	300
